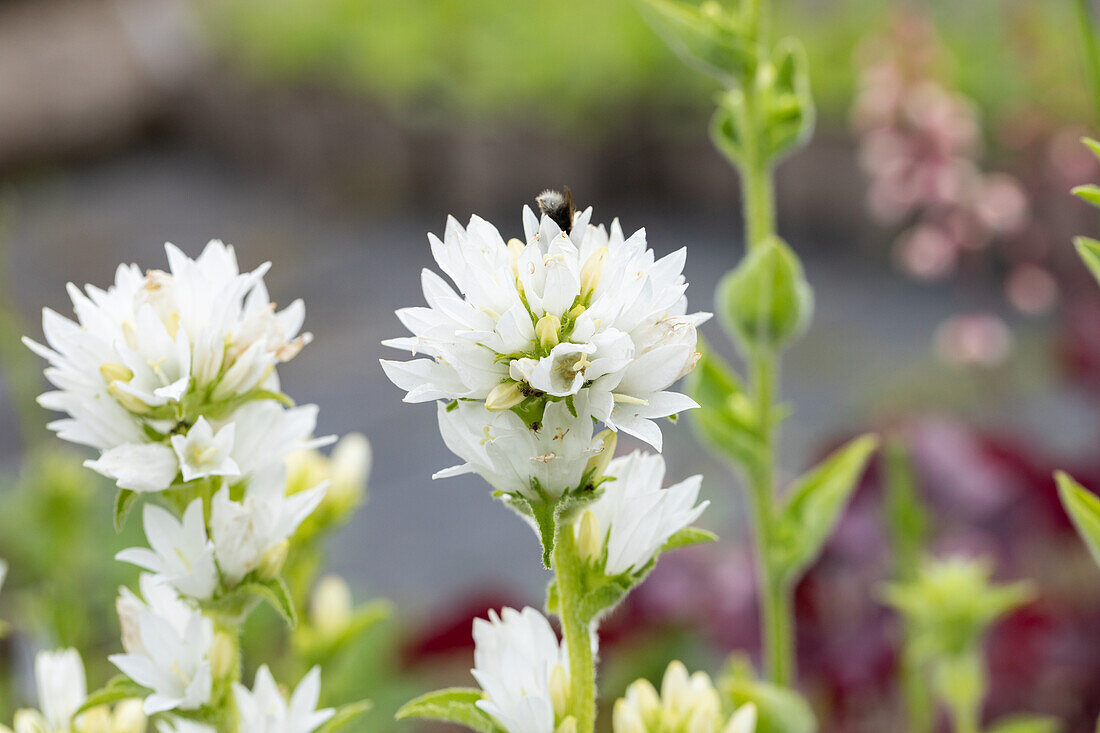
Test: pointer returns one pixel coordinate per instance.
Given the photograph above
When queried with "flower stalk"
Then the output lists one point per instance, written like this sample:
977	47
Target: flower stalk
568	572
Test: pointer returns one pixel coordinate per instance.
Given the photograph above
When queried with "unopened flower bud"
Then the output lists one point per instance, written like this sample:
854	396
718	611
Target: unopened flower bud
625	719
559	690
96	720
743	721
598	463
592	272
271	564
648	702
589	541
330	607
515	249
113	371
504	396
546	331
222	656
569	725
129	717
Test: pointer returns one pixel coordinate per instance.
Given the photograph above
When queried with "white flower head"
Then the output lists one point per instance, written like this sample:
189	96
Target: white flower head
61	686
634	516
513	458
523	670
685	703
265	710
167	642
180	551
563	313
202	452
157	351
243	531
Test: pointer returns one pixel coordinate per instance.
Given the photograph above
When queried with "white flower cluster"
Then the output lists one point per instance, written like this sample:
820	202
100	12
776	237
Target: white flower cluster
523	670
564	314
171	375
686	704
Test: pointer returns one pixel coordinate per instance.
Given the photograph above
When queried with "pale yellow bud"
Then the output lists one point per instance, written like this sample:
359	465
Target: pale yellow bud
589	540
702	720
29	721
546	331
592	272
271	564
743	721
351	464
330	607
504	396
127	400
515	249
576	312
559	690
598	463
625	719
129	717
569	725
223	656
95	720
644	697
113	371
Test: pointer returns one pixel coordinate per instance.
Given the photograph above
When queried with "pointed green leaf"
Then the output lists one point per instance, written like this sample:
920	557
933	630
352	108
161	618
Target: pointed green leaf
1025	724
815	504
1083	508
1089	251
453	705
124	502
1088	192
119	688
276	593
1092	145
718	421
687	537
345	714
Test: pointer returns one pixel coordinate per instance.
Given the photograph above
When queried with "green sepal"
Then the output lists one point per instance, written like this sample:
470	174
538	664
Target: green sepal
687	537
765	302
345	714
117	689
725	419
709	39
1088	192
778	709
815	504
1089	251
726	125
1025	724
276	593
452	705
788	104
1083	507
124	502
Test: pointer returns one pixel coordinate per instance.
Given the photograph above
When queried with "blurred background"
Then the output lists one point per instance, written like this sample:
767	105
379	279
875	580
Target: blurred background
931	211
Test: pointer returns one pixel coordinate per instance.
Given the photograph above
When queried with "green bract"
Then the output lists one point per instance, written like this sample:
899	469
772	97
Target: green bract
766	302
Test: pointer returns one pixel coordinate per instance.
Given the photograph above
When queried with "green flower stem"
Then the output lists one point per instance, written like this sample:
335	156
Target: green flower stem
1092	48
776	603
578	640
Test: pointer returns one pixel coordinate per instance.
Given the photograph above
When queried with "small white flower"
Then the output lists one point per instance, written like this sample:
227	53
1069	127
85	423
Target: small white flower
265	710
181	552
583	312
141	467
167	643
203	453
684	704
512	457
519	662
634	516
62	688
243	531
182	725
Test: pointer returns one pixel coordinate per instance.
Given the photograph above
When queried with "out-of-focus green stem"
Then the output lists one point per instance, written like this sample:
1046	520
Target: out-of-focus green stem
1087	23
578	639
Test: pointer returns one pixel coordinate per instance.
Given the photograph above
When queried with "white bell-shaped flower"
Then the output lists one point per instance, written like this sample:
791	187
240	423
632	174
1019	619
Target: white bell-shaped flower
181	552
265	710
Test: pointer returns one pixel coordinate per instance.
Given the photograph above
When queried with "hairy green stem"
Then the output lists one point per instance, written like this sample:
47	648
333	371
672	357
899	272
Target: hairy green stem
1087	23
578	638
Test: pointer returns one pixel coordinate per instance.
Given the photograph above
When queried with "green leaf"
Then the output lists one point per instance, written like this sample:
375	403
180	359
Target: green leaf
779	710
124	502
1088	192
1092	145
1089	251
453	705
276	593
765	302
906	517
1083	508
706	38
119	688
815	504
687	537
1025	724
720	421
345	714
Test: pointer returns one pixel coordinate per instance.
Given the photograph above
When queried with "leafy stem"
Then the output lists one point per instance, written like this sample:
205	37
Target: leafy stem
568	573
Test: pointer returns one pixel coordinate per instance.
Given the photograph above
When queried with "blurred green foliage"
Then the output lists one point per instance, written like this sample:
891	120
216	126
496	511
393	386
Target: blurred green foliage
566	64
